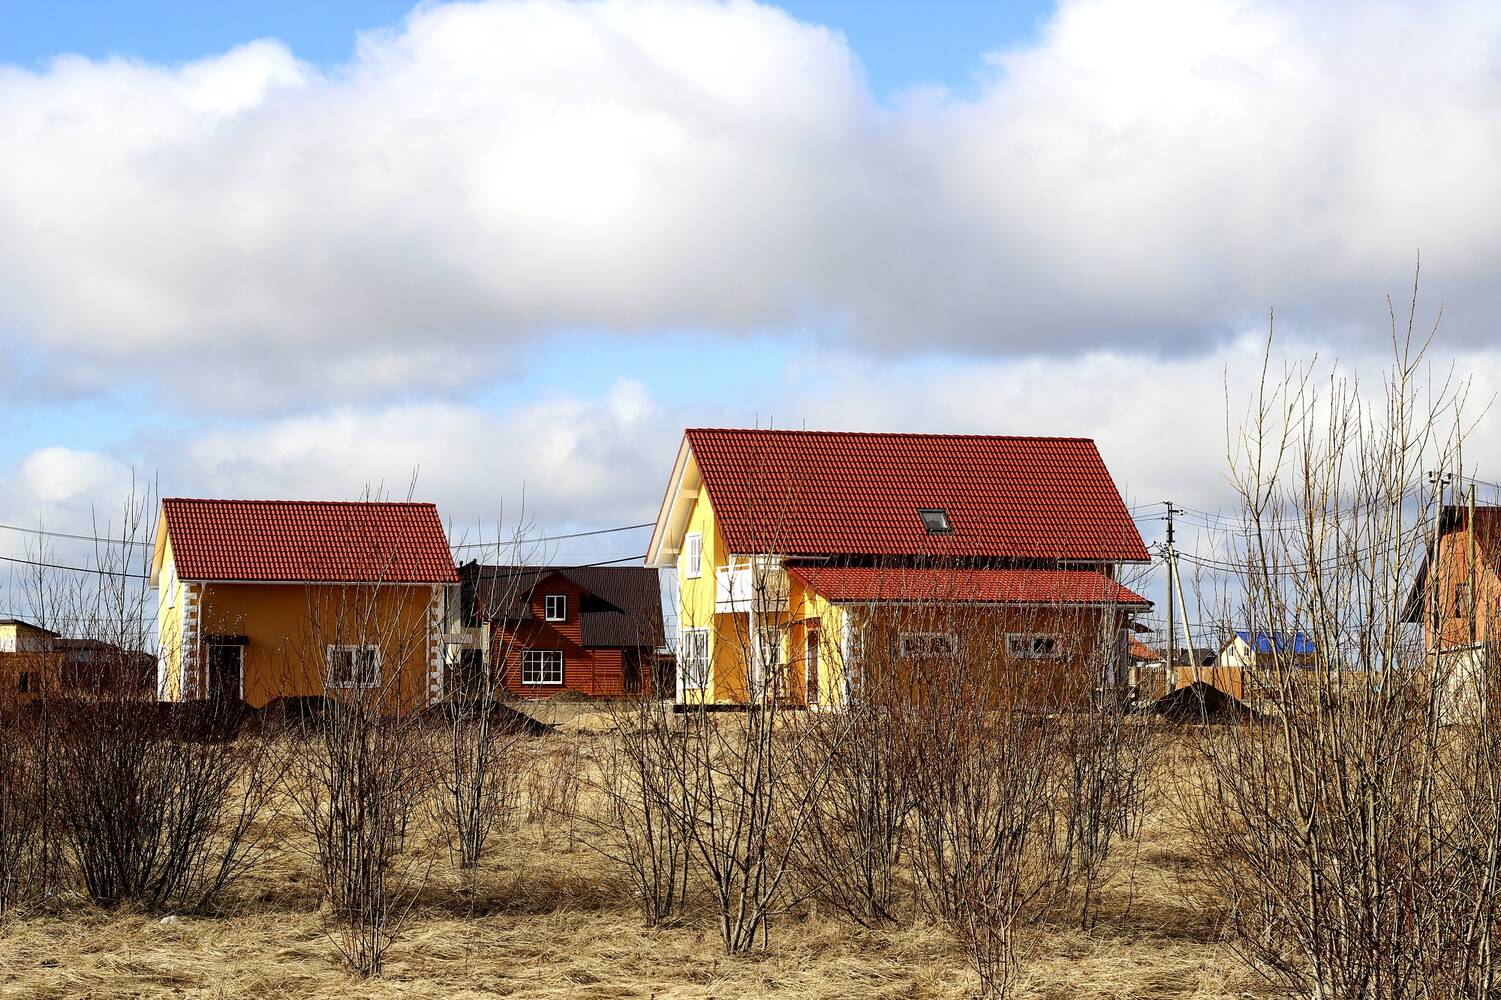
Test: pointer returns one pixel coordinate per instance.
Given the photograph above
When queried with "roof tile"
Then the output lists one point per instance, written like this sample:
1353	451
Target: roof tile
831	493
858	584
308	541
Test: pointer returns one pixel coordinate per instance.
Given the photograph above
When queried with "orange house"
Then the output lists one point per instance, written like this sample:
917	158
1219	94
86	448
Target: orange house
1456	595
267	599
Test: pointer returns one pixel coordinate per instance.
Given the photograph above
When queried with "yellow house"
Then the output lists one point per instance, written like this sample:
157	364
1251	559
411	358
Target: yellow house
267	599
803	558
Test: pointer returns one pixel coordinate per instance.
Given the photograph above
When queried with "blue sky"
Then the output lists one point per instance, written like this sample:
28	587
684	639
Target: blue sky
518	246
902	43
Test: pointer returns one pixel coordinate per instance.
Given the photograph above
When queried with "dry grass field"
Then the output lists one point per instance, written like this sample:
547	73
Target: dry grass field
543	920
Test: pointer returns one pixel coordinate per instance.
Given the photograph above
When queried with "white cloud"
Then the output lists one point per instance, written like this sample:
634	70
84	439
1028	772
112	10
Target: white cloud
1143	179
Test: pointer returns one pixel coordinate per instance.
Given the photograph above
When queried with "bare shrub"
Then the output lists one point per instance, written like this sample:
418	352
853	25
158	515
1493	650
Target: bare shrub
158	804
1107	755
144	803
1356	829
857	826
646	781
21	805
362	766
987	769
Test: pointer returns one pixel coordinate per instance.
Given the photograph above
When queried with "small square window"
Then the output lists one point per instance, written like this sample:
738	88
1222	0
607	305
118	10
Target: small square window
555	607
935	520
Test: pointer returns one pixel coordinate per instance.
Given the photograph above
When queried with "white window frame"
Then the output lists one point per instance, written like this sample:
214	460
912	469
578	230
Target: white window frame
914	644
330	678
548	614
693	555
689	657
1021	646
545	666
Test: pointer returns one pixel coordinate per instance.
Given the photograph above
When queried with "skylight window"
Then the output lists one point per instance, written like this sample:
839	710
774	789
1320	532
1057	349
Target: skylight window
935	520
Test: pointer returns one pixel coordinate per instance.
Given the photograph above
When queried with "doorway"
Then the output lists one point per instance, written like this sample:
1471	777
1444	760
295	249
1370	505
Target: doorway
226	672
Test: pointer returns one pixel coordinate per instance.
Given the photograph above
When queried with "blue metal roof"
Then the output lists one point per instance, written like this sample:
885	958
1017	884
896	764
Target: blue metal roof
1295	643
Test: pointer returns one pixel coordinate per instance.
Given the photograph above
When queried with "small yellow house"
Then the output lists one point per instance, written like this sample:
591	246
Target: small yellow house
805	558
267	599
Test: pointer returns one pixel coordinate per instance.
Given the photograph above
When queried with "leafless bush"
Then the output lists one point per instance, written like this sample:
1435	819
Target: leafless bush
21	805
362	767
1107	755
646	779
857	826
152	804
1356	829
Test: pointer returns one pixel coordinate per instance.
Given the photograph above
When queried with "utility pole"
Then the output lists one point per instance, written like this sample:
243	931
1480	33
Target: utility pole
1170	560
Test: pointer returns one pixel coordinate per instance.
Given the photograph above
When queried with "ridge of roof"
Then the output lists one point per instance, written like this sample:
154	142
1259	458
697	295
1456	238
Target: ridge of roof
899	434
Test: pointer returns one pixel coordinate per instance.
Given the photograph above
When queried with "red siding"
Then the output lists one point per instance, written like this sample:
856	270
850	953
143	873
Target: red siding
597	672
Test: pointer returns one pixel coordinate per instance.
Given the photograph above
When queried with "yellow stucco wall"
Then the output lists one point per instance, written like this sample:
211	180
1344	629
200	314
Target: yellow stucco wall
288	627
730	639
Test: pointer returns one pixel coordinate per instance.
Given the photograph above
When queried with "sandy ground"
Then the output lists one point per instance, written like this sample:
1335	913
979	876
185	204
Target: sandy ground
543	920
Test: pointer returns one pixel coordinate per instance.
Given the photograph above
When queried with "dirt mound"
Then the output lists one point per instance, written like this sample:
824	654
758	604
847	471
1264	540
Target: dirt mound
1200	702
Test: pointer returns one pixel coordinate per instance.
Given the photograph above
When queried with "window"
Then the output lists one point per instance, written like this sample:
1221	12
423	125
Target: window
771	647
810	667
914	644
1464	601
353	666
542	666
693	555
1033	646
555	607
693	657
935	520
27	682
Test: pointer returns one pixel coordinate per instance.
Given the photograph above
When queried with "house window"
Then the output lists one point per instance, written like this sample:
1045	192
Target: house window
693	556
771	647
353	666
810	667
542	666
935	520
1464	601
26	682
693	657
555	607
1033	646
915	644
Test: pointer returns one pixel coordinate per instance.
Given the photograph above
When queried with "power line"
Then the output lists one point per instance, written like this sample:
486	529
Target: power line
75	569
77	538
552	538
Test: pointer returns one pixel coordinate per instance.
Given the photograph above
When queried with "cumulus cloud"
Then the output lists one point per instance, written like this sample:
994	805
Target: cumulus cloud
1142	179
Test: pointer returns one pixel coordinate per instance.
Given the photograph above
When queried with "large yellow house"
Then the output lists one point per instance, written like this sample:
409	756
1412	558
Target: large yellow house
803	558
267	599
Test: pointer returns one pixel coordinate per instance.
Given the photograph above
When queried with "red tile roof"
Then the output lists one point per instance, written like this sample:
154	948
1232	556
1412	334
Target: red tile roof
305	541
826	493
845	585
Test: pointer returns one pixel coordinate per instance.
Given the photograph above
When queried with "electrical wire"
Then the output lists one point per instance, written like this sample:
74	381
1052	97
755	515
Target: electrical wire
76	538
499	543
75	569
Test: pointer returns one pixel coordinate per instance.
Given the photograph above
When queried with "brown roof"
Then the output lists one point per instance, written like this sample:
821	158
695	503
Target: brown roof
308	541
827	493
622	605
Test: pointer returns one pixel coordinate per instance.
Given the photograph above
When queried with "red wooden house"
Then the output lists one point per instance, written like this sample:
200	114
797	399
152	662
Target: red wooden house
592	630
